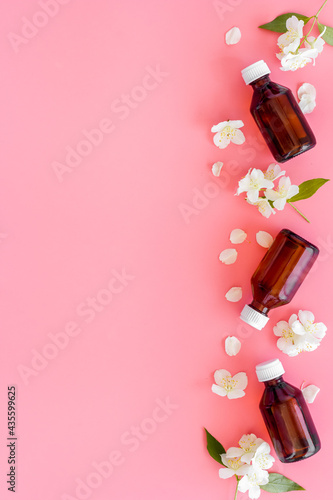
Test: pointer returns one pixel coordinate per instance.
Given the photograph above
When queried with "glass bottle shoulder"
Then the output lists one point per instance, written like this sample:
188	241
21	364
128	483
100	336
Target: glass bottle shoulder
269	90
279	393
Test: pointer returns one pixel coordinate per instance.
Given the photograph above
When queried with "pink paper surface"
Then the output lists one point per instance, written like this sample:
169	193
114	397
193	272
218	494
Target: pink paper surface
113	316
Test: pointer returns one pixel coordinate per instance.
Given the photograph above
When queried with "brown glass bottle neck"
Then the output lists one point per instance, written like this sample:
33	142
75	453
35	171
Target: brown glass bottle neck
263	80
274	381
259	307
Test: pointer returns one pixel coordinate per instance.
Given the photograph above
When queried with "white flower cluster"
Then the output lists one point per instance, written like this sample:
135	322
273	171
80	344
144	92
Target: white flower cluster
291	55
228	385
259	189
251	461
298	335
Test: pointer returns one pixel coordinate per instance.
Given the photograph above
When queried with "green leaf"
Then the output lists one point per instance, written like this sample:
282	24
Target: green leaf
215	449
328	35
307	189
279	484
279	23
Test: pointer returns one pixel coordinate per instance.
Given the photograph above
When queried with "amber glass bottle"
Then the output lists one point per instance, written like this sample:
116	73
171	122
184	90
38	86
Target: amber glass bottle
286	415
278	276
277	114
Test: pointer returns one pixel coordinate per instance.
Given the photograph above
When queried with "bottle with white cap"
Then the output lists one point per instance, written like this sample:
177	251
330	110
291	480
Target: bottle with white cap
278	276
277	114
286	415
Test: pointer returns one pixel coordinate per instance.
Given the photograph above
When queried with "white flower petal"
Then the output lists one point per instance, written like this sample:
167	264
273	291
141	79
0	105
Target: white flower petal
294	25
310	392
243	469
235	123
220	142
271	194
219	127
225	473
241	379
228	256
232	346
307	105
253	195
244	484
238	138
298	328
292	191
319	330
306	317
264	239
220	391
221	374
233	452
306	89
234	294
235	394
233	36
292	319
281	328
237	236
280	203
216	168
273	172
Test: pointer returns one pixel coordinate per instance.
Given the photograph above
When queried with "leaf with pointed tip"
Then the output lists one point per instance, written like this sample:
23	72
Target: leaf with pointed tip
328	35
279	484
279	23
307	189
215	449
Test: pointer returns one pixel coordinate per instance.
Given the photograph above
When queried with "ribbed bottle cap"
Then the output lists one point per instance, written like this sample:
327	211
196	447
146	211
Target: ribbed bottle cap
255	71
253	317
269	370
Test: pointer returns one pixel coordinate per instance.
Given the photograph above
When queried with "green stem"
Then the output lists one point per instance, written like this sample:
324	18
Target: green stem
321	8
307	220
308	33
236	487
314	21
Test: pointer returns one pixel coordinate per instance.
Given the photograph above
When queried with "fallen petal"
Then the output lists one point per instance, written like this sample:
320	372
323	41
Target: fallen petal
307	105
310	392
234	294
307	96
237	236
216	168
233	36
228	256
232	346
306	89
264	239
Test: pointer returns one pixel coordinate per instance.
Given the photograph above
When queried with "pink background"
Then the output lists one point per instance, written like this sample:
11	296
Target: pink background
157	341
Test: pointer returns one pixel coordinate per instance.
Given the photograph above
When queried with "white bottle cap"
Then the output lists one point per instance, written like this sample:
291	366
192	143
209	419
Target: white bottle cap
269	370
253	317
255	71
